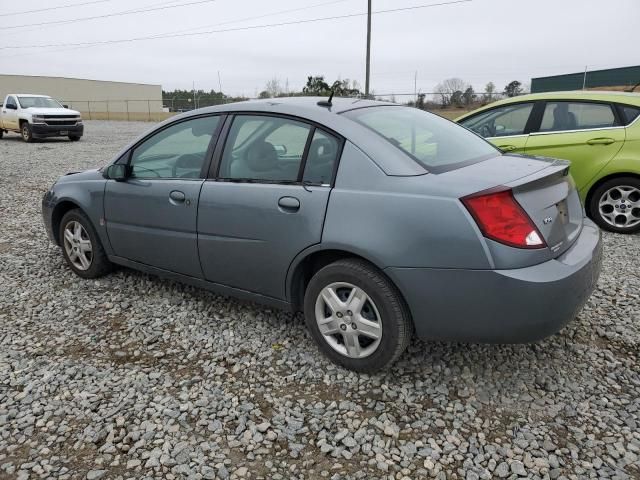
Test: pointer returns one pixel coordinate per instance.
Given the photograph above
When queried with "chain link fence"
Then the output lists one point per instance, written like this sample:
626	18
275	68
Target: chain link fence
154	110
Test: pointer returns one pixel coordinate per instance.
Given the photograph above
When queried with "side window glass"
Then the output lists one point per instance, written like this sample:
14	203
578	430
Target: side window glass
322	158
501	121
11	102
559	116
178	151
630	113
264	148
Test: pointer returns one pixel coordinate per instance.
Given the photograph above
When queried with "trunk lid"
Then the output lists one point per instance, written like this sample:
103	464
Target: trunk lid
543	188
551	200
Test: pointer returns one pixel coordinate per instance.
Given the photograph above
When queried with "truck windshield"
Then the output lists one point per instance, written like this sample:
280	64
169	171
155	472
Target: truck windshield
38	102
435	143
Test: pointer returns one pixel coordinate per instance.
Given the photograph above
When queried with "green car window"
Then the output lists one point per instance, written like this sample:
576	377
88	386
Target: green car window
630	113
500	122
559	116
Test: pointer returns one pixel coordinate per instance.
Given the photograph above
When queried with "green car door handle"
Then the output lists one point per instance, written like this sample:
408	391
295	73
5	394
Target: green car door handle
601	141
507	148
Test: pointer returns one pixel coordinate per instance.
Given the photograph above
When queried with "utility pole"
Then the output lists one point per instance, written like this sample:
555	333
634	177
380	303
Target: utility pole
194	95
366	83
220	87
415	87
584	78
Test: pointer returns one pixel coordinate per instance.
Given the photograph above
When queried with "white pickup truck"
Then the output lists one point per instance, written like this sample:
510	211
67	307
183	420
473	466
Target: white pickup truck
39	116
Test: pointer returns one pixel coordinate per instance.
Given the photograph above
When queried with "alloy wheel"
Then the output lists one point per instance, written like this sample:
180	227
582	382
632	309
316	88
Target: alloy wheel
348	319
78	245
620	206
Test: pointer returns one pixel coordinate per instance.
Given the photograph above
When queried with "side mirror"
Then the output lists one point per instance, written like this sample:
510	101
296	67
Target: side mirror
65	106
118	172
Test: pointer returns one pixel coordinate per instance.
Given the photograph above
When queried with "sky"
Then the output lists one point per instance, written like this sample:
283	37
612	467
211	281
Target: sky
478	41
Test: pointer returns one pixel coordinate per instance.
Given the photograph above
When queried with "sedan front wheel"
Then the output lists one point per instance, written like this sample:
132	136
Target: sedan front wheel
81	246
357	316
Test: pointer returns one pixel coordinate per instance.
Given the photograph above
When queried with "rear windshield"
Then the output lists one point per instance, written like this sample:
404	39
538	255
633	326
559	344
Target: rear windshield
437	144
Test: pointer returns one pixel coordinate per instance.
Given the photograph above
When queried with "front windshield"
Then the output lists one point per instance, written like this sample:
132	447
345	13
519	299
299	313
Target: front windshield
38	102
432	141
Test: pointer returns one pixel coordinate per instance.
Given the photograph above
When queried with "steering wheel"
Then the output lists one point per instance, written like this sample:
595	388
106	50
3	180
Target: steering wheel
188	161
486	131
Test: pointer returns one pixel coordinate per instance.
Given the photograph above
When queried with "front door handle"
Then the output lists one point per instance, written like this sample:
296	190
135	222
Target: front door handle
176	196
507	148
601	141
289	204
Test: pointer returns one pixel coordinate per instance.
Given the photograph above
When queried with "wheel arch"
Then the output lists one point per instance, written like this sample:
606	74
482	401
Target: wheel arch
600	181
59	211
308	262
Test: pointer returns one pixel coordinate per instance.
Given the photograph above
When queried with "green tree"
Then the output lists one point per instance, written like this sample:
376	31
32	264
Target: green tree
316	86
513	89
468	96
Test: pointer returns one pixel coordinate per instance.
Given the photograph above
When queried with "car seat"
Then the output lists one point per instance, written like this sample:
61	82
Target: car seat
563	119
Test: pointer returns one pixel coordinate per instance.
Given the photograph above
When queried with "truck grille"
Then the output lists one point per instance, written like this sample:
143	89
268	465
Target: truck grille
61	120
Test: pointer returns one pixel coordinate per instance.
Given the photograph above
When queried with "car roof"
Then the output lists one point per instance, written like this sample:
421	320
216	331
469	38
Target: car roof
606	96
388	157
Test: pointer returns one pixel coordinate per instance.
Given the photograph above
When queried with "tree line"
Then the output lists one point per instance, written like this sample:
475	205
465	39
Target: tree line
451	93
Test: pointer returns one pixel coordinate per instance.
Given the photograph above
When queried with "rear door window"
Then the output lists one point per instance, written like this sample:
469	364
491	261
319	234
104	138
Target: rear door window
629	113
562	116
502	121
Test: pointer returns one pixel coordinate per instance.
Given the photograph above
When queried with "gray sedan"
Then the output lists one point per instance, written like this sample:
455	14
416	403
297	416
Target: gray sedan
378	221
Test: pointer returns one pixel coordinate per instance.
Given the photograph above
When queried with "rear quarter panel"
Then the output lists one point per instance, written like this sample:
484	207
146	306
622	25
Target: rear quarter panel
396	221
626	161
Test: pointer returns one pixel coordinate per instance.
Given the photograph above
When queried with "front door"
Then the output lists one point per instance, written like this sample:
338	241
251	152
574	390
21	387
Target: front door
504	126
267	203
586	133
151	217
10	114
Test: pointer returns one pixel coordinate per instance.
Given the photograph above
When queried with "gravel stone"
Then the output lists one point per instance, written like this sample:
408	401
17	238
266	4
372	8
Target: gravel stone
134	377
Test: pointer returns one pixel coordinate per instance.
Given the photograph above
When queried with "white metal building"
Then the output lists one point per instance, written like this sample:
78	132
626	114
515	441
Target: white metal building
96	99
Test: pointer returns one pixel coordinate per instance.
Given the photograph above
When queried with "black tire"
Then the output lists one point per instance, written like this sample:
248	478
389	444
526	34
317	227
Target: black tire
99	263
593	208
395	318
25	131
1	133
74	138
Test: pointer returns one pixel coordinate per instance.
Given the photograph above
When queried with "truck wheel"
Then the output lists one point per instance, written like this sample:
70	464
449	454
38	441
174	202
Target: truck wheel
27	135
74	138
1	133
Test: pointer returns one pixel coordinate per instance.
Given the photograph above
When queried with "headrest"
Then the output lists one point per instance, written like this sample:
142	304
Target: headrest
261	157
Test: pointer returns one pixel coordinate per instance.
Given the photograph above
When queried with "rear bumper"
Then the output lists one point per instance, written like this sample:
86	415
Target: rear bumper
502	306
43	131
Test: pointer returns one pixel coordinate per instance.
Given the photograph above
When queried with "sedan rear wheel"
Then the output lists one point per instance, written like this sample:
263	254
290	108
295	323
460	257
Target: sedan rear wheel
357	316
615	205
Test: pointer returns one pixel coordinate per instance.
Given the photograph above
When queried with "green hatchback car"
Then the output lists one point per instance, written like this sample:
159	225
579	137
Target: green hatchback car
599	132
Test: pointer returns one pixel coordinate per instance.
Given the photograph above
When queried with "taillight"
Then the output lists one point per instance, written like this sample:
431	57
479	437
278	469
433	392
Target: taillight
501	218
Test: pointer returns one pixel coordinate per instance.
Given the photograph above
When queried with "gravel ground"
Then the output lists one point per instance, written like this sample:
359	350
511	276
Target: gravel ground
132	377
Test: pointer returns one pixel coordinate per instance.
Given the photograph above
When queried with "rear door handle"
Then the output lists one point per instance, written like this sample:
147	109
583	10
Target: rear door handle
601	141
507	148
289	204
176	196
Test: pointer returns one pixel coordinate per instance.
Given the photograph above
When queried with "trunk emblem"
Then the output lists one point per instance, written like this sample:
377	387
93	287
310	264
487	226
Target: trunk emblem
547	220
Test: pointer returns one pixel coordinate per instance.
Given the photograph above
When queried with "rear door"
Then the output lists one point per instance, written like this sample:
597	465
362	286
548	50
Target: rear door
589	134
267	201
151	217
505	126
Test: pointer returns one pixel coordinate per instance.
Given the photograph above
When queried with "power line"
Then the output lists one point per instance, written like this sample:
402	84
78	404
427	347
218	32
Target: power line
250	27
59	7
107	15
239	20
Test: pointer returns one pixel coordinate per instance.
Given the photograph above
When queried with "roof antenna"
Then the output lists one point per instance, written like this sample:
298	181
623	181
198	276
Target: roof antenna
326	103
